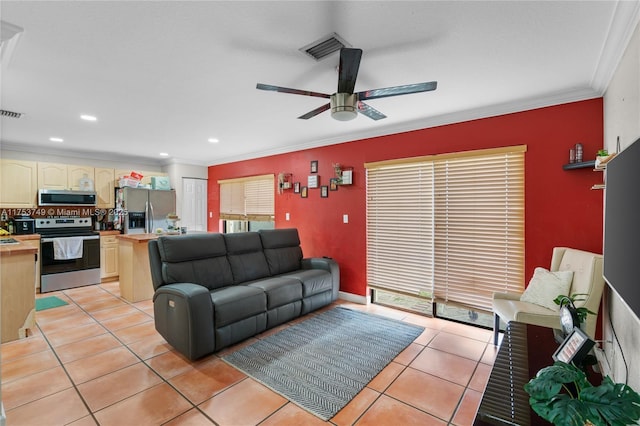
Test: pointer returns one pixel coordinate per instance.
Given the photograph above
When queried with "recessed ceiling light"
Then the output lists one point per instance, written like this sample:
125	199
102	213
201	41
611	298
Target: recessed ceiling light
213	140
88	117
164	154
56	139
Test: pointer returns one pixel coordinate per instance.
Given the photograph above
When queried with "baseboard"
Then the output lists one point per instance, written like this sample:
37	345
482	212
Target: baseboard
355	298
3	418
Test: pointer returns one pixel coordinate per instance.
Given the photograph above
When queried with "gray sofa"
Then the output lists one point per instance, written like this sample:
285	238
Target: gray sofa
214	290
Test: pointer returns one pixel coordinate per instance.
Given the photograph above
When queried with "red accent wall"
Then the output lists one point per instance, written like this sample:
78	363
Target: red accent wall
560	207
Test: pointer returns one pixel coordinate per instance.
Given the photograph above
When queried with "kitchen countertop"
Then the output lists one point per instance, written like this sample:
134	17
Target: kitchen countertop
112	232
138	238
16	249
25	237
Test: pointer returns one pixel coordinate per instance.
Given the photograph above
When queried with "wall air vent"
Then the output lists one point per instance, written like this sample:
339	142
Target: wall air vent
10	114
324	47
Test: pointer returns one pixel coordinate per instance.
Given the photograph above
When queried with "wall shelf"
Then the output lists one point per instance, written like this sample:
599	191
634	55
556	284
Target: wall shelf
582	165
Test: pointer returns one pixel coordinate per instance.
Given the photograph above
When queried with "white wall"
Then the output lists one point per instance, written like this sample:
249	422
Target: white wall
179	171
622	118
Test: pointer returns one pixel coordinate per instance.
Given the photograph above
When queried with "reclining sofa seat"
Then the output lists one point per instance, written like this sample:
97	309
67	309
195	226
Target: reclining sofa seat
214	290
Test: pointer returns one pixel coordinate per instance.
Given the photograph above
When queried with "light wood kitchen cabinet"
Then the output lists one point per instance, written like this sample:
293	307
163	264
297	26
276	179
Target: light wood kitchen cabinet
135	272
108	257
52	176
104	185
32	241
18	183
75	173
17	296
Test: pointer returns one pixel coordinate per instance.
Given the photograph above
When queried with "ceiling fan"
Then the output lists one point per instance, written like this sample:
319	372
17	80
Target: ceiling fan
345	104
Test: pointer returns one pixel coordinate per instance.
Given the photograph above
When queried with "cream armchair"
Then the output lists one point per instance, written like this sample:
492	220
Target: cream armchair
587	278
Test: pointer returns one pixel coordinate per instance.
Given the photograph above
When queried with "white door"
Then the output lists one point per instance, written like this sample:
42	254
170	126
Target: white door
194	204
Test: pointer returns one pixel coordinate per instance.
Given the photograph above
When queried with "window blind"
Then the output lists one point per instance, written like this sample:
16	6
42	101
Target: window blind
479	219
400	228
449	227
249	198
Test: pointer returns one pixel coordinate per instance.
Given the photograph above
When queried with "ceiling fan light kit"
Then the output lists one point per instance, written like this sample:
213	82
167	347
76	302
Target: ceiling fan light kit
345	104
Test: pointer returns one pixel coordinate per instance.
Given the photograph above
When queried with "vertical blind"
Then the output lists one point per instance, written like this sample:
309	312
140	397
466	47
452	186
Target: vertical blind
449	227
249	198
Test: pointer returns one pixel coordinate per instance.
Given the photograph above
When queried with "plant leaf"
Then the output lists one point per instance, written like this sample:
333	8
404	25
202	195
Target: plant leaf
567	412
548	382
615	403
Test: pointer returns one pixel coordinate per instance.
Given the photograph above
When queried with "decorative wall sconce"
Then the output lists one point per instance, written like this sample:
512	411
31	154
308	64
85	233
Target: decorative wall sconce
344	175
285	181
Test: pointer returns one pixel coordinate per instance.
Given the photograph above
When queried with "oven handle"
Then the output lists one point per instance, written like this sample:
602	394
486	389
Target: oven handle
84	237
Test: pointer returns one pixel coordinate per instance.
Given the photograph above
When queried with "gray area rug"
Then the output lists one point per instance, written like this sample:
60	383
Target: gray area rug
321	363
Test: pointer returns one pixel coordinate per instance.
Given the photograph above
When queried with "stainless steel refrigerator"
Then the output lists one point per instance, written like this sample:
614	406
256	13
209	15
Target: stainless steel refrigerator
144	210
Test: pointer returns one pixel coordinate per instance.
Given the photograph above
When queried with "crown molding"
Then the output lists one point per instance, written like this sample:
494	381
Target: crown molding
623	23
551	99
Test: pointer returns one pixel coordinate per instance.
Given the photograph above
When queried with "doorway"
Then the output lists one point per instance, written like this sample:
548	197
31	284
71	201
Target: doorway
194	204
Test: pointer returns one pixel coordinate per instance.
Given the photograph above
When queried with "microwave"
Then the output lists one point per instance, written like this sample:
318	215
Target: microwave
61	197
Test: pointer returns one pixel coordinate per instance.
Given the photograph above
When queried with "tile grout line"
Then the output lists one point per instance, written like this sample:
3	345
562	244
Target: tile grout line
75	386
166	381
143	362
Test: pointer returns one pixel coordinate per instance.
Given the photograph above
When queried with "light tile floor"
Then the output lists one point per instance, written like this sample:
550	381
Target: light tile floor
100	361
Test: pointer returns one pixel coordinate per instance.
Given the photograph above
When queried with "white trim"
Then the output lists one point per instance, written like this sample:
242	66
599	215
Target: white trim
355	298
623	23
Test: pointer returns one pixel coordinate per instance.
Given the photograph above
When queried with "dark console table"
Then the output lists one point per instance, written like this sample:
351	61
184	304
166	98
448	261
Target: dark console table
525	349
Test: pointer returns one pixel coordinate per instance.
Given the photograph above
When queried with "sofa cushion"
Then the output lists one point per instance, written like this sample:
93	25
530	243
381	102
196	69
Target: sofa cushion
235	303
279	290
181	248
244	251
199	259
314	281
282	249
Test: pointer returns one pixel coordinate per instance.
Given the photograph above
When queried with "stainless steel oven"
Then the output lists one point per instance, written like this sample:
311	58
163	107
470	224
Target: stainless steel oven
69	253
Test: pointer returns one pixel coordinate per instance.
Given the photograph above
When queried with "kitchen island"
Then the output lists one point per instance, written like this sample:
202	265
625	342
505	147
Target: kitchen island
133	265
17	290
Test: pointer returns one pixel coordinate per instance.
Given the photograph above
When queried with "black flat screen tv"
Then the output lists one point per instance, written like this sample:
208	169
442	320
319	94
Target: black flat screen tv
622	226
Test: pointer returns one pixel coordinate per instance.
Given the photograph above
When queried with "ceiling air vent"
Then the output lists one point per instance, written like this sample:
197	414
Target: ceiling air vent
10	114
324	47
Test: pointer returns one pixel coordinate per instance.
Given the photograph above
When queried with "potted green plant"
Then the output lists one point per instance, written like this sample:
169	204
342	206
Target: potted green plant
562	395
580	312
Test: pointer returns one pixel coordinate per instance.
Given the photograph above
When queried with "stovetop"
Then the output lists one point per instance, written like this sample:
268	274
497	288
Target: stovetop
63	222
64	226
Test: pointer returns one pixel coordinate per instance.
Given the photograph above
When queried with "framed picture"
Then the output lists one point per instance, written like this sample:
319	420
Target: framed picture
303	192
313	181
574	348
324	191
333	184
314	166
296	187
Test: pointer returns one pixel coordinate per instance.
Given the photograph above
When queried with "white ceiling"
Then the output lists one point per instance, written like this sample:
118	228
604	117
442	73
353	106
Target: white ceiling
165	76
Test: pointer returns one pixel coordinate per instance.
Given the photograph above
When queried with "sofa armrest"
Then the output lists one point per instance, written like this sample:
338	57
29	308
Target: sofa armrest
327	264
184	317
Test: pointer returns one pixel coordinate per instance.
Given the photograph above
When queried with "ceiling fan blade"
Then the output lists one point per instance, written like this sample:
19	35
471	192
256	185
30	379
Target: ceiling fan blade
315	112
261	86
348	69
370	111
397	90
